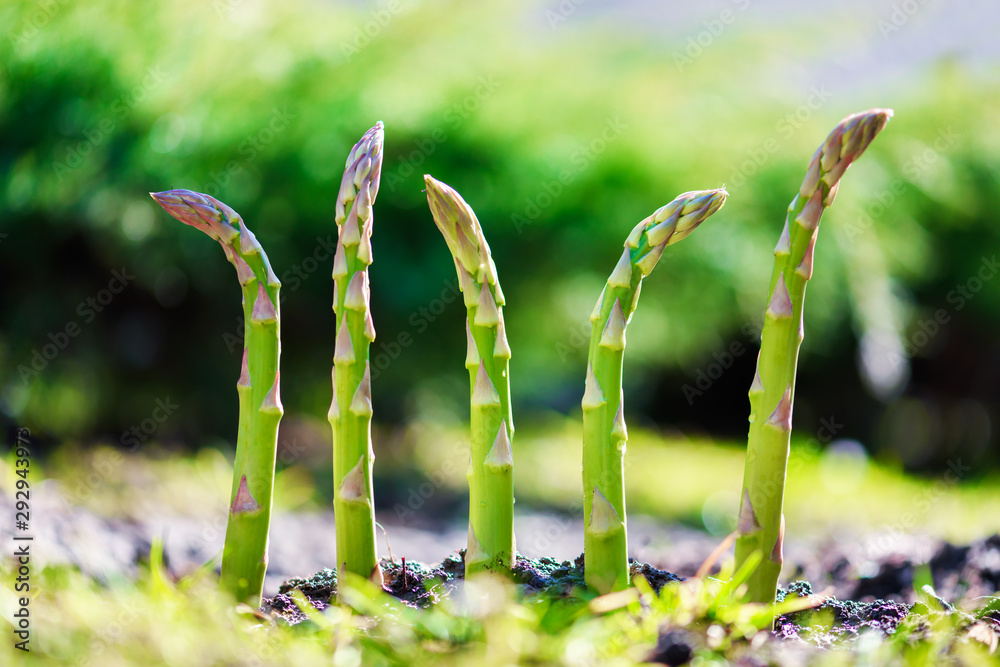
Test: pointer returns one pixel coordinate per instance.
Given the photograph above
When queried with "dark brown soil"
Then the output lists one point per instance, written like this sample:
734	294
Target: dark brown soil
420	585
879	605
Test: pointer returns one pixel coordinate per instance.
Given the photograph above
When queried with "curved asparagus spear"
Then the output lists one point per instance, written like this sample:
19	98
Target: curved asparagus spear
761	524
350	412
244	556
604	434
491	491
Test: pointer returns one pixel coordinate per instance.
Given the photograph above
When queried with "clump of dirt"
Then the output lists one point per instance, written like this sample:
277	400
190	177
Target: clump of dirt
420	585
656	578
835	621
321	586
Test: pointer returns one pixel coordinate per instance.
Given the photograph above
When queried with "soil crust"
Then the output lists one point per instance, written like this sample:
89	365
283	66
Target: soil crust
879	607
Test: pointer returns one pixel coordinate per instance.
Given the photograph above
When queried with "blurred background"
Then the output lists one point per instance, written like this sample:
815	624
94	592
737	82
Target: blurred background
563	124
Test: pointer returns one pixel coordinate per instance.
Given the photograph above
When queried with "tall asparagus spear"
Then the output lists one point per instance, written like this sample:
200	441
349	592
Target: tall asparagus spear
604	433
761	523
491	491
244	555
350	412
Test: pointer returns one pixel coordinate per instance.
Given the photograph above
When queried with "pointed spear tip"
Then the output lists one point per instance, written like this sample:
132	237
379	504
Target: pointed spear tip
501	455
596	313
805	267
618	430
781	418
272	401
487	313
243	501
501	348
471	351
244	380
649	260
343	351
694	208
361	403
352	487
777	555
780	306
356	295
747	522
784	245
604	519
593	394
485	392
263	308
622	274
613	336
474	552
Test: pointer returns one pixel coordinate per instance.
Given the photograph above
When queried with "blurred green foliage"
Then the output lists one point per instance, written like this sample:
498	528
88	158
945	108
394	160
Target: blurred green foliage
561	133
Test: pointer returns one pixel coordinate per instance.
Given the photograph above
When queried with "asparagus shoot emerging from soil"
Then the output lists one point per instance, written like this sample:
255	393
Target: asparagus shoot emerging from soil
350	412
761	524
604	434
244	556
491	492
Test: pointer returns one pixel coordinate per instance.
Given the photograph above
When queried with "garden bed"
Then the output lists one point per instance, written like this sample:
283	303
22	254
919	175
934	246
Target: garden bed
961	572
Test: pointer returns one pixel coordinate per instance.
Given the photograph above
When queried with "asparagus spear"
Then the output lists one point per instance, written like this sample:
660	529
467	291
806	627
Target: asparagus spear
491	491
604	432
761	523
244	556
350	412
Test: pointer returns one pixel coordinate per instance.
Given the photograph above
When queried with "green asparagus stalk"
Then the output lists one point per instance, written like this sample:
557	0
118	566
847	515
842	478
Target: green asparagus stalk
761	523
350	412
244	556
604	433
491	491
